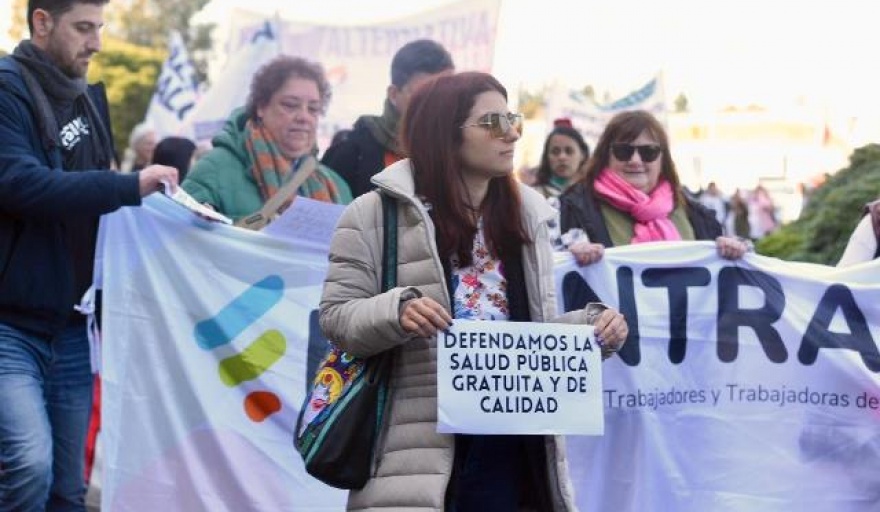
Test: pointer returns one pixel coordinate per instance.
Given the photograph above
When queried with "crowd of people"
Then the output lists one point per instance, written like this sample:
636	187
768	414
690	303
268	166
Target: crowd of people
473	242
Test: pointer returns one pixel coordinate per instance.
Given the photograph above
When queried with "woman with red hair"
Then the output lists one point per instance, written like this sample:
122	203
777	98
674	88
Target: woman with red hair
473	243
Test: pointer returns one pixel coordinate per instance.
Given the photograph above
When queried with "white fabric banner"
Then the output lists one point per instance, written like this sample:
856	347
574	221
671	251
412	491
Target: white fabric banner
357	59
747	385
518	378
176	92
590	117
206	346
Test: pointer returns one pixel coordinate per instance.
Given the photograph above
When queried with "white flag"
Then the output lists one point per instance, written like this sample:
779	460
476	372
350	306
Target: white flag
590	118
176	91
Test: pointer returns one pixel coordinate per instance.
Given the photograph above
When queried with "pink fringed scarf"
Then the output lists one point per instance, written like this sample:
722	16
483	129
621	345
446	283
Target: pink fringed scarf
650	212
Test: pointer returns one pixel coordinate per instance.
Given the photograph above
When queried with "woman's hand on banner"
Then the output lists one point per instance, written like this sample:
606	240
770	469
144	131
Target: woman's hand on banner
586	253
732	248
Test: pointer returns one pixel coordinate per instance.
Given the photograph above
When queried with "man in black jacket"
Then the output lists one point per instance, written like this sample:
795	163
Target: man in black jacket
54	184
372	144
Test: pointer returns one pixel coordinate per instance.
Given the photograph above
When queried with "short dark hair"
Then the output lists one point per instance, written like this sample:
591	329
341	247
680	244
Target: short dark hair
176	152
272	76
419	56
56	8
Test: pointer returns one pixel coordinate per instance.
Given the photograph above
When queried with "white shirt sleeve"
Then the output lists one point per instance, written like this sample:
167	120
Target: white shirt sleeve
862	244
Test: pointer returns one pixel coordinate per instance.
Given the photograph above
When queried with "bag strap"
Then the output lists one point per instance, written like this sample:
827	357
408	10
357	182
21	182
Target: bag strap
265	214
389	242
381	365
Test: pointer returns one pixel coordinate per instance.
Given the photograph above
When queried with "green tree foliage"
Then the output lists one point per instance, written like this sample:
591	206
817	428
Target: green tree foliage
148	23
824	227
589	91
681	103
129	72
531	103
18	30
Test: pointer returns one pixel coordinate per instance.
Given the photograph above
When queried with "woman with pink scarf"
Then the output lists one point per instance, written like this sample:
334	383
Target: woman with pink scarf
631	194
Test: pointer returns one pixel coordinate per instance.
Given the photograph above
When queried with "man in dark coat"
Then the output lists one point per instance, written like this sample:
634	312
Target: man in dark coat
372	144
54	184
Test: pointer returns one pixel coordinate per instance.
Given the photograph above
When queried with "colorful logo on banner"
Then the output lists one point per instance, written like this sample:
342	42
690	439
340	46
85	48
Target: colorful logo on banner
242	312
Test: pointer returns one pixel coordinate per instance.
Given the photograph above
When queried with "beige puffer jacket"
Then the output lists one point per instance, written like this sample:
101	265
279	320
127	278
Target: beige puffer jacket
415	462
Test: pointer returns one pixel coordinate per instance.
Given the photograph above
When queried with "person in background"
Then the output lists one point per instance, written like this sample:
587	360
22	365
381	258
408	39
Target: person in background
864	243
762	213
141	144
55	182
712	199
175	152
739	215
372	144
339	136
562	160
262	145
631	194
472	246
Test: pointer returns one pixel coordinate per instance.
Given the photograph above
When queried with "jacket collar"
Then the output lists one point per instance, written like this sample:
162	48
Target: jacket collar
398	180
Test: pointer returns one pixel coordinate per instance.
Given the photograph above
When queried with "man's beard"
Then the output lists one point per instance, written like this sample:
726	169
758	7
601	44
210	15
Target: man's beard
68	67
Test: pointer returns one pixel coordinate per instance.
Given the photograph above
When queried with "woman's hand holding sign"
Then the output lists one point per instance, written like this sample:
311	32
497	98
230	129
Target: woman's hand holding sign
424	316
611	332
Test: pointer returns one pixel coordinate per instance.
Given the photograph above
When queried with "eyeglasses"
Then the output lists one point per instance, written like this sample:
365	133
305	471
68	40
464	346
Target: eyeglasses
499	125
624	151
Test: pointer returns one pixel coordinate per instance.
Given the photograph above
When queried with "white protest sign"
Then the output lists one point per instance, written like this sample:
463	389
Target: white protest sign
519	378
308	221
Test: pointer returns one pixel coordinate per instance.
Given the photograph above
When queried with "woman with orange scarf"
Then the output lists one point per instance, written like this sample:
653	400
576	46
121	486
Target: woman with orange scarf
263	145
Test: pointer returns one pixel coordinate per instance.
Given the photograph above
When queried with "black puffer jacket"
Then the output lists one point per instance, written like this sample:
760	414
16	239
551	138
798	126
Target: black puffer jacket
357	158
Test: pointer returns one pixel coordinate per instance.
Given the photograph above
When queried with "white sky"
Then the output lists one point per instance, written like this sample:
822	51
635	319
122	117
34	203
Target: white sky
718	52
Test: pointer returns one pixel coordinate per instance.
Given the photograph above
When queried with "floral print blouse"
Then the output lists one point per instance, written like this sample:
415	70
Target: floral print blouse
480	290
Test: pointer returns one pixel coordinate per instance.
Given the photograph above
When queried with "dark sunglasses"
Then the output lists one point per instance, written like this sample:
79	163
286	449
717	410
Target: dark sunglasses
499	125
624	151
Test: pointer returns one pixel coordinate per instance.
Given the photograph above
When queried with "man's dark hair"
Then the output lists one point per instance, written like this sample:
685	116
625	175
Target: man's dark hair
55	8
419	56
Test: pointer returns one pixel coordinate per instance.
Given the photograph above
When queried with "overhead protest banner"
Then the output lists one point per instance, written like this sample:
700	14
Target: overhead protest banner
356	58
232	89
176	90
210	332
590	117
518	378
729	367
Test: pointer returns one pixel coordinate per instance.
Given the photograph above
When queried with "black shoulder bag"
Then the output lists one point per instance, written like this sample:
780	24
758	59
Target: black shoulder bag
342	415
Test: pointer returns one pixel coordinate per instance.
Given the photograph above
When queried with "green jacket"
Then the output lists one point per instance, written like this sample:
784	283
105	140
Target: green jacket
223	179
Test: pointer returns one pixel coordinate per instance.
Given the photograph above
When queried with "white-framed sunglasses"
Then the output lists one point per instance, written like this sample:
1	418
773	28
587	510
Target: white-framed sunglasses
499	124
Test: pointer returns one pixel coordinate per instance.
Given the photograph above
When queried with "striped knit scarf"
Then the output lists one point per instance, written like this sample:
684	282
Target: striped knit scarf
271	169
